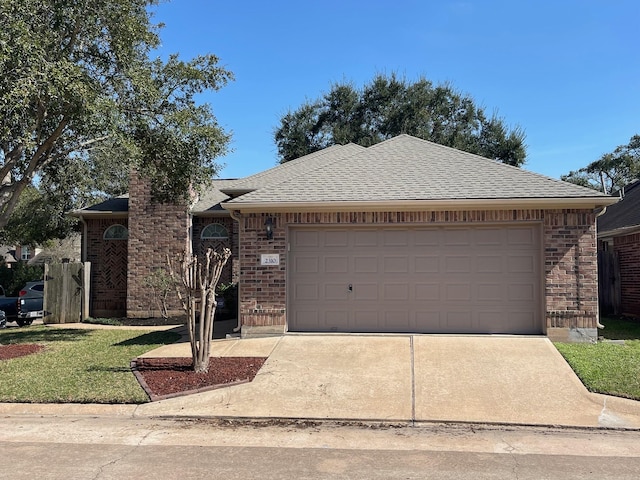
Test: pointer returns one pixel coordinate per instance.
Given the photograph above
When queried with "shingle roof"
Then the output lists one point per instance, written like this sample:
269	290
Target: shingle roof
403	168
7	253
408	168
211	197
625	213
112	205
295	168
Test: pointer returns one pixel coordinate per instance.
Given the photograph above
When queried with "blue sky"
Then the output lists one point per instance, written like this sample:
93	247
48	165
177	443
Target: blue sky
566	71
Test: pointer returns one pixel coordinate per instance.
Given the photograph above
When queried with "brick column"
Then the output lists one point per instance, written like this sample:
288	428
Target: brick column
262	287
155	230
571	275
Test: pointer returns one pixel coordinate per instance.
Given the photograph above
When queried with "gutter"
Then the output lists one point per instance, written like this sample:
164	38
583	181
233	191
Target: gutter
83	252
616	232
416	205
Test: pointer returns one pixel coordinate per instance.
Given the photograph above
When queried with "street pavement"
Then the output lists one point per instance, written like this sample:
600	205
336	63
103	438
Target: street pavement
105	448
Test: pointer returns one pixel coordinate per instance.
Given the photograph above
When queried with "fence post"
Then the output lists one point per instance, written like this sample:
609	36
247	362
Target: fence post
86	293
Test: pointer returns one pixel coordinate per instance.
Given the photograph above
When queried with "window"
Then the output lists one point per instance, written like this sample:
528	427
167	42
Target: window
214	231
25	253
116	232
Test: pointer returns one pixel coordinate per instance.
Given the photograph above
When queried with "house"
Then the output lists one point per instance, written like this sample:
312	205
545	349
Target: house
12	254
619	242
402	236
8	256
58	250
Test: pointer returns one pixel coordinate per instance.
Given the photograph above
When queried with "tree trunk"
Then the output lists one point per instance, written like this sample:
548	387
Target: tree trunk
196	281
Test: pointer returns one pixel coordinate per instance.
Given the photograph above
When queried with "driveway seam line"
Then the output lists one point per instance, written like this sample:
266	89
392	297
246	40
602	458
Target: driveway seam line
413	381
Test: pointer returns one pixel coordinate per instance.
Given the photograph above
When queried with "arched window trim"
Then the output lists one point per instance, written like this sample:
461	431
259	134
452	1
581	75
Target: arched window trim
122	232
218	232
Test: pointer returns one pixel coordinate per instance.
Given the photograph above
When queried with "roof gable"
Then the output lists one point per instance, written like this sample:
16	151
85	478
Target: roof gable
407	168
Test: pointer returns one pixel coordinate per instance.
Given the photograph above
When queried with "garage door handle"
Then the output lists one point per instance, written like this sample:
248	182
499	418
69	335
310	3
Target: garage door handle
350	288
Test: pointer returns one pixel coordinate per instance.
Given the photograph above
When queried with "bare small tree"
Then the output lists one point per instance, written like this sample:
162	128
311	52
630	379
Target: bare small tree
160	283
196	280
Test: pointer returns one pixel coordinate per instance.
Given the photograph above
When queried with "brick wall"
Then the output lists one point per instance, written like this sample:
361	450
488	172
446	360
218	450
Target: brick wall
628	249
108	269
569	252
262	288
571	265
155	231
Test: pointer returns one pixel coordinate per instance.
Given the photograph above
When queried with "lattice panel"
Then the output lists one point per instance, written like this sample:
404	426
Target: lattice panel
114	266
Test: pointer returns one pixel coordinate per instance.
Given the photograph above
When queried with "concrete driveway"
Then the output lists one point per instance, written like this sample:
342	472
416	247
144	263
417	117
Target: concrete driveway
495	379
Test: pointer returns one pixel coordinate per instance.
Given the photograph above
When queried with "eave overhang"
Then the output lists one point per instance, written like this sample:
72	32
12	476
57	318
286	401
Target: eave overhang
418	205
236	192
98	214
619	232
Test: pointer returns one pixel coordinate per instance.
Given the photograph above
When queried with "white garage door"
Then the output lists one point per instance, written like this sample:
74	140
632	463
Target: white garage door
429	280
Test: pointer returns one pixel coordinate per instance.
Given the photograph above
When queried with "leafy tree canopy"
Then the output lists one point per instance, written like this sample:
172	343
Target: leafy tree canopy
612	171
14	278
82	101
389	106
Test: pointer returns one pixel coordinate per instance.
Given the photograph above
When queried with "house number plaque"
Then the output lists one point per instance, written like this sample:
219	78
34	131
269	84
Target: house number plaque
270	259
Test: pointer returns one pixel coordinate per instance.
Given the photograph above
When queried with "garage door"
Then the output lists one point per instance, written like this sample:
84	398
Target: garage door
429	280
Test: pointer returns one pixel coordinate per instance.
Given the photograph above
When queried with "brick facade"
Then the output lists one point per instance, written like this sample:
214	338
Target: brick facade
155	230
628	250
121	267
569	252
571	266
108	268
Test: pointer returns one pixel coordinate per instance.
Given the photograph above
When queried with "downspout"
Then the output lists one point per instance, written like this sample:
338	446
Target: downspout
86	282
237	216
83	252
599	214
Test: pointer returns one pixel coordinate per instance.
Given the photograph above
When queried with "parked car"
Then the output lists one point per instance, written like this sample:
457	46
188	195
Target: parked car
26	307
9	305
30	303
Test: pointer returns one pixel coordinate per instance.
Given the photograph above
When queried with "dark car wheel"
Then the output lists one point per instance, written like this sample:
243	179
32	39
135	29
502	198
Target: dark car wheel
23	323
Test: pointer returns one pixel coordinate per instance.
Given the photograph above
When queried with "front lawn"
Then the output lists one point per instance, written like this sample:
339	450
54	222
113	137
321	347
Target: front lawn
76	365
608	367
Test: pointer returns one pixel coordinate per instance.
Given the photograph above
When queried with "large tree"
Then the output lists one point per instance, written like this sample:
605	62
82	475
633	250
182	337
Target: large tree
612	171
79	90
389	106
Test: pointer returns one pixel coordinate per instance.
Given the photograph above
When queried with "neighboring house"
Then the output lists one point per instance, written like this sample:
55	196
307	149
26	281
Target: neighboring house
13	254
7	253
403	236
58	250
619	241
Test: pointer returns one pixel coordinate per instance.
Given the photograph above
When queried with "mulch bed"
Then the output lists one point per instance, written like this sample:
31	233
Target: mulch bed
171	377
14	350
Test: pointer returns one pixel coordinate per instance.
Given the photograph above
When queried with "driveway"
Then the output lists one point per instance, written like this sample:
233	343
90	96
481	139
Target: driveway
495	379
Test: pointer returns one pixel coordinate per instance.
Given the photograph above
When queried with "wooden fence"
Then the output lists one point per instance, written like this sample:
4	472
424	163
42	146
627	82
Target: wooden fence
66	292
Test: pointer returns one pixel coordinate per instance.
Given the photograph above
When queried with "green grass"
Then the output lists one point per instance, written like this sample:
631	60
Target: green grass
103	321
77	365
607	367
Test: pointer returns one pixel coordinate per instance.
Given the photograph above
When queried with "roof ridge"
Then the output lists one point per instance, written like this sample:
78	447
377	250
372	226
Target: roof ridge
286	165
486	159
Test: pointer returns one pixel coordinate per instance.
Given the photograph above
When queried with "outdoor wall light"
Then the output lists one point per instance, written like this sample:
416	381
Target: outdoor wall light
268	227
